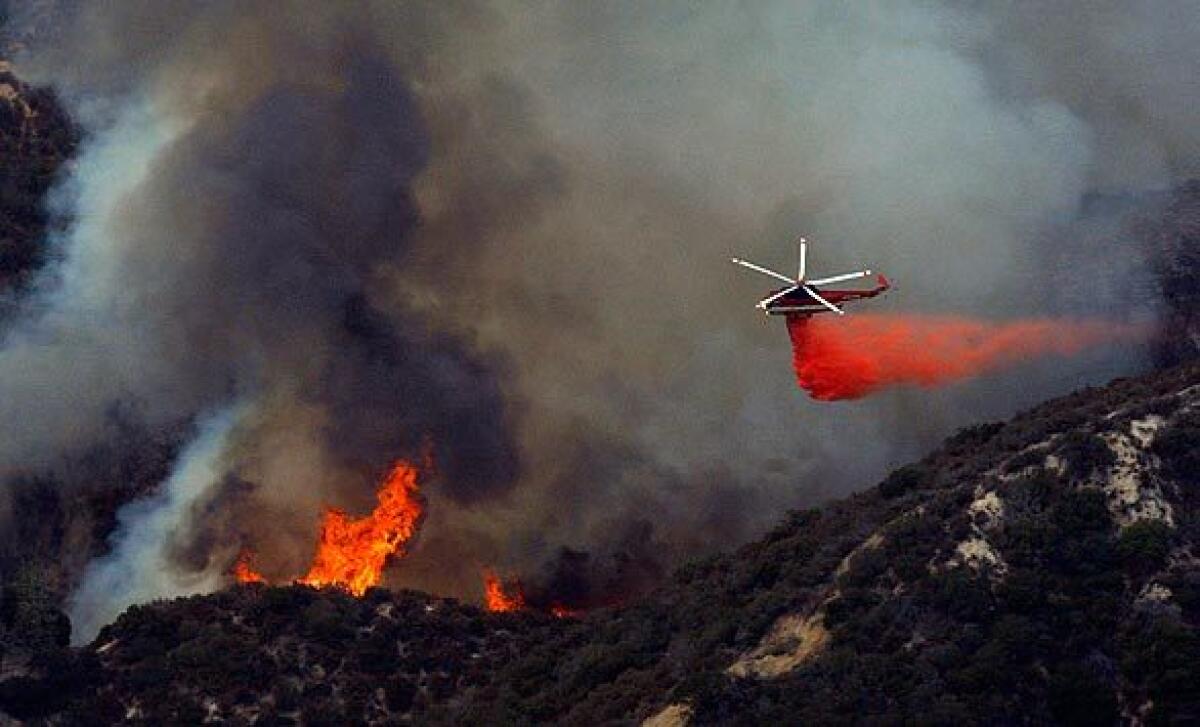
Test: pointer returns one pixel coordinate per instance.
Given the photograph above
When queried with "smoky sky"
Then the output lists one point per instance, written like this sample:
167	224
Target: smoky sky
501	230
241	261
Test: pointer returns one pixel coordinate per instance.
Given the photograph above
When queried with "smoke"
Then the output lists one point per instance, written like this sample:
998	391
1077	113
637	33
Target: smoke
852	359
139	569
239	198
501	228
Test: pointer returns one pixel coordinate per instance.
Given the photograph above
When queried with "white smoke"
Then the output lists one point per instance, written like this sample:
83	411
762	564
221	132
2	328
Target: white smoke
139	568
77	349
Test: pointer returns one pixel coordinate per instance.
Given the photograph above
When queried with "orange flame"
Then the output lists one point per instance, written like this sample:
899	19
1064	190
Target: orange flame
861	354
351	552
243	571
495	597
505	598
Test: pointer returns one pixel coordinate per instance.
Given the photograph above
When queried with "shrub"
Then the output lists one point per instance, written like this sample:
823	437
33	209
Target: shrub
324	622
969	438
1085	453
1028	458
1163	657
1179	449
1078	697
30	615
1144	545
905	479
1081	511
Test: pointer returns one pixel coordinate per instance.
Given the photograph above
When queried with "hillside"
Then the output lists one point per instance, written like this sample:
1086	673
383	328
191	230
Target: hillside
1041	570
36	138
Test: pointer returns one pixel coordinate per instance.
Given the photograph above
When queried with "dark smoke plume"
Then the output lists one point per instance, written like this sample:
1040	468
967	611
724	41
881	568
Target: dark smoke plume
228	254
345	230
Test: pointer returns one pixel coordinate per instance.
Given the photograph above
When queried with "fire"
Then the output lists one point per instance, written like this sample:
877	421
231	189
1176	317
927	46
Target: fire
497	599
351	552
501	597
243	571
858	355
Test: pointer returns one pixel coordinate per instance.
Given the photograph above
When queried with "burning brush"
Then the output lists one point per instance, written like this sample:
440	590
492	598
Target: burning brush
243	571
500	597
351	552
506	596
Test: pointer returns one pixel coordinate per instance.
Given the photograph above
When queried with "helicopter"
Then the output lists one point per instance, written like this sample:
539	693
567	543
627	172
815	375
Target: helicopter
805	297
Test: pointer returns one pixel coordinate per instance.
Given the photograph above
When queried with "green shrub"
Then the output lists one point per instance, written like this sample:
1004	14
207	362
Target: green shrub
1163	658
906	479
1079	697
1144	545
1027	458
1081	511
29	613
1179	449
1085	453
972	437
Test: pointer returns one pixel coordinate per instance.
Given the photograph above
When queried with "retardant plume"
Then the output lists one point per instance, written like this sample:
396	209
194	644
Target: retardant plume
351	553
856	356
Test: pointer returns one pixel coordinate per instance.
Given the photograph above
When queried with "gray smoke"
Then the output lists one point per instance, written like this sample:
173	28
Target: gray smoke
503	228
139	568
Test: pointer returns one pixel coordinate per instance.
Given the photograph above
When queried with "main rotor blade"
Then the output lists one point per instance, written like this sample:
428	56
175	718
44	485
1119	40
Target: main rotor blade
839	278
822	301
764	271
772	298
